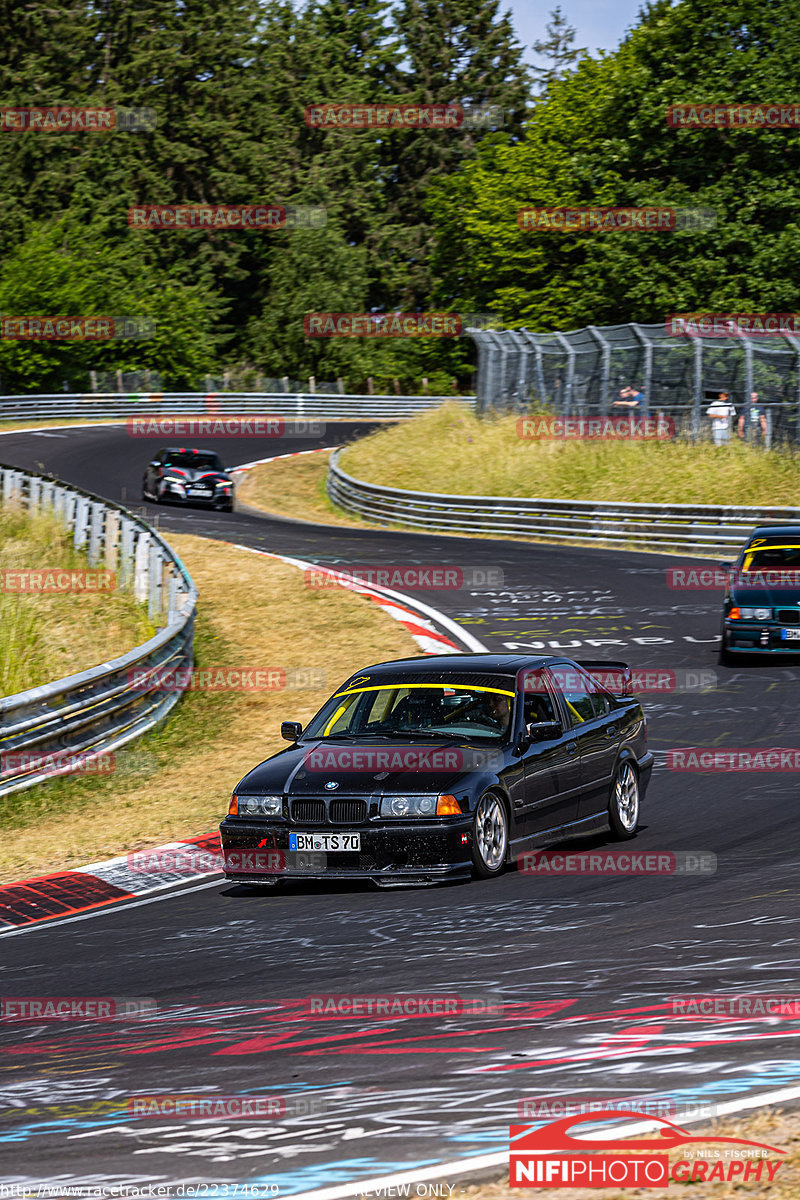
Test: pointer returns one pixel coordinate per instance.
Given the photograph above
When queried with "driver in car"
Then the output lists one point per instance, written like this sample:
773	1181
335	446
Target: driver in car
492	709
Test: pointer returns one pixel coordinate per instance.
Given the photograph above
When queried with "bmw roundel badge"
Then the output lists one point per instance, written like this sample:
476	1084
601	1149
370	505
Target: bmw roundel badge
331	785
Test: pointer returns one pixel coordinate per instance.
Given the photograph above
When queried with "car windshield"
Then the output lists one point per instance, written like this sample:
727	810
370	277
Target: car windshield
197	460
402	710
771	558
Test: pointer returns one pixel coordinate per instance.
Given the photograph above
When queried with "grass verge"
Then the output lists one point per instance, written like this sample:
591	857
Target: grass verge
45	636
450	450
254	612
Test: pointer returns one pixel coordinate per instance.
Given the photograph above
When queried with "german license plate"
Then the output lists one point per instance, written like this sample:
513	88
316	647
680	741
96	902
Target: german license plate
325	841
790	635
199	491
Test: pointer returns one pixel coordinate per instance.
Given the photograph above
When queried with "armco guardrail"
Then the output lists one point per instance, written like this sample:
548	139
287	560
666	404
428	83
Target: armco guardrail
294	405
688	527
98	710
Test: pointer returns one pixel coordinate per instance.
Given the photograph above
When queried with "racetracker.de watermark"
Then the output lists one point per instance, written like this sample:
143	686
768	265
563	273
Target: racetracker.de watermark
412	759
744	1005
236	425
75	329
65	118
226	679
231	1108
400	575
733	759
697	579
60	762
207	216
175	860
76	1008
621	680
734	325
552	1108
606	219
624	429
403	116
335	1005
618	862
383	325
54	580
733	116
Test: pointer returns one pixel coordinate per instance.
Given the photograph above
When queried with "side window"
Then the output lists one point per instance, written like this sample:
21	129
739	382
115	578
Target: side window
578	693
538	702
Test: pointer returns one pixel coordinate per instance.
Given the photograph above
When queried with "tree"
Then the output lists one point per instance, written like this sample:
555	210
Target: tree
558	48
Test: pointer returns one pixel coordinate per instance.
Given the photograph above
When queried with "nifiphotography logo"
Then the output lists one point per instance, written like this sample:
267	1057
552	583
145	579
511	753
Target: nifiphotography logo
550	1156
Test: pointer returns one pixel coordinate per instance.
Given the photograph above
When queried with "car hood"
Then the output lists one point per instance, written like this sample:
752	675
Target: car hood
370	767
765	597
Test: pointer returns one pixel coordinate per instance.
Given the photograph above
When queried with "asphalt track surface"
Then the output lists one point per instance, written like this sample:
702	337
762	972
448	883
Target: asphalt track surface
586	965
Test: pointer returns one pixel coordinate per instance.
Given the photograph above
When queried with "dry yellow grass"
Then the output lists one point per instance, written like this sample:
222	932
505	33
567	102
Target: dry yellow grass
771	1126
293	487
176	783
47	636
451	450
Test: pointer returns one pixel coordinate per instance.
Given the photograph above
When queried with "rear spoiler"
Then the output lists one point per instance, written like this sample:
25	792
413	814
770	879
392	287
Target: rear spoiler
615	677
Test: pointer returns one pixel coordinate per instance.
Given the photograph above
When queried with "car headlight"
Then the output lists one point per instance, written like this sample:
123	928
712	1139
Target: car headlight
756	614
429	805
258	806
172	479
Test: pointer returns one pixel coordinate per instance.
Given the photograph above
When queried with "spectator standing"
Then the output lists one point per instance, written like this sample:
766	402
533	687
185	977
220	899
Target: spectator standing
753	421
631	398
721	412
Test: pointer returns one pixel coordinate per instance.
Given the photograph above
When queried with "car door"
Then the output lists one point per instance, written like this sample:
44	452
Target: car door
552	763
592	715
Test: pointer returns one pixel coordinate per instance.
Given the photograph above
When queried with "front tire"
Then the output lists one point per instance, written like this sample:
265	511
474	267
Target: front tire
726	657
489	836
623	808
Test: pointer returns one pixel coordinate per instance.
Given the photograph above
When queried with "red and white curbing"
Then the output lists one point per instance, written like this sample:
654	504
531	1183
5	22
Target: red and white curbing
67	893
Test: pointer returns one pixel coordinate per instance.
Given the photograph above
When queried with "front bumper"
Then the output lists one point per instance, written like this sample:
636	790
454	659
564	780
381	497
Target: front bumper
396	853
758	637
217	499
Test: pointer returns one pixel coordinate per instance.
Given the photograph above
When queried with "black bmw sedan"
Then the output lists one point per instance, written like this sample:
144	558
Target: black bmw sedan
761	610
182	475
427	769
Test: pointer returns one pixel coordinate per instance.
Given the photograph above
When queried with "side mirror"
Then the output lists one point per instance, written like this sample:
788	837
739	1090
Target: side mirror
291	730
154	463
540	731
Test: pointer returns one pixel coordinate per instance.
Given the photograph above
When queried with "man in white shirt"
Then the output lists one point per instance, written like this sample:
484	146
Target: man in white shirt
721	412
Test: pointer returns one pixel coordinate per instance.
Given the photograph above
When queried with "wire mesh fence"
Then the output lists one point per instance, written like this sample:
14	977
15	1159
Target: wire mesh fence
583	371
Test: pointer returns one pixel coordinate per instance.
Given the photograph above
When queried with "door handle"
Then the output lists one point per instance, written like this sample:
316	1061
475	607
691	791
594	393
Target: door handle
572	747
611	730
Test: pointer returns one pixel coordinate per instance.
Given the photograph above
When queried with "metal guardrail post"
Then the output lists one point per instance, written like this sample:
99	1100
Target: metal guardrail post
697	401
141	583
96	515
34	495
570	380
647	346
537	349
81	522
155	572
126	552
605	377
